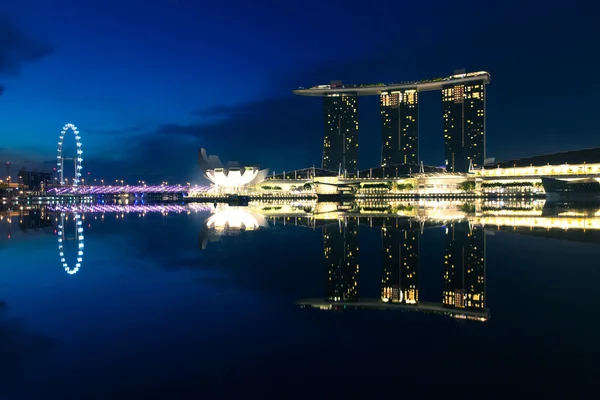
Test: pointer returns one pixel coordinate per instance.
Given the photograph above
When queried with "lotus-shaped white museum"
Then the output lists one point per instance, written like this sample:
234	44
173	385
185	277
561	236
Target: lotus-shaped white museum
231	176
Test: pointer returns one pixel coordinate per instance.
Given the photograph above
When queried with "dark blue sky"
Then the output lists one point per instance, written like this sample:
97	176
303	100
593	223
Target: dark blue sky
148	83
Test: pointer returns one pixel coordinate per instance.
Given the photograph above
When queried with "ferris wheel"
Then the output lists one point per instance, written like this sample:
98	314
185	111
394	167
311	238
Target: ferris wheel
77	158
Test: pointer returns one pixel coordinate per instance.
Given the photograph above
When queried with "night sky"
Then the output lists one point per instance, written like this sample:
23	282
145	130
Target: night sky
148	83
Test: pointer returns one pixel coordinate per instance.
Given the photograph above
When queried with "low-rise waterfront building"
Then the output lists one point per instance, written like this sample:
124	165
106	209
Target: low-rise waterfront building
514	177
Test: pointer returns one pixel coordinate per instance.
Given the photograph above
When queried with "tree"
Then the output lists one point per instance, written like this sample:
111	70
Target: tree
468	208
467	186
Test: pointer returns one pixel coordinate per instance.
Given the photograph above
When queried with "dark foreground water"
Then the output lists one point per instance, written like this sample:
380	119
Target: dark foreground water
164	305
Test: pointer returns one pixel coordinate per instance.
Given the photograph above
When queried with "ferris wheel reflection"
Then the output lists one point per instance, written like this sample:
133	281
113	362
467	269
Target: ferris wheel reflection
64	239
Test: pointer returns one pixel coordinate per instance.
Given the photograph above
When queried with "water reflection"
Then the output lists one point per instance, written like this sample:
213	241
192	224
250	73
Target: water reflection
75	238
401	225
463	294
229	220
435	261
464	264
464	267
341	245
400	265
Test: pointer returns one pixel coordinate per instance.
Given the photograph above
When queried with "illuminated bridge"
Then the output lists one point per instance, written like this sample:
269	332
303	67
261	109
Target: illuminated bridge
100	190
136	208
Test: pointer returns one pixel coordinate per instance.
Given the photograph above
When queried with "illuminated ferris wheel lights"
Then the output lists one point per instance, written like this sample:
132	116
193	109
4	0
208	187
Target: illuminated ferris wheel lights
78	160
79	259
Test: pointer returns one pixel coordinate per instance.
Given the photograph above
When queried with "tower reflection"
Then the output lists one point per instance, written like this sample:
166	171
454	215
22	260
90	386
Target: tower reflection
463	295
463	262
341	249
464	266
400	265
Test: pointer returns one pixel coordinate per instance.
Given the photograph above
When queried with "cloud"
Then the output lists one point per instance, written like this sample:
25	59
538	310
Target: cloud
17	48
264	132
128	131
214	111
274	133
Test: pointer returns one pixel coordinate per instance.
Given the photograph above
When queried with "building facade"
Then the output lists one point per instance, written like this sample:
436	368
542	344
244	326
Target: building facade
463	96
35	180
464	125
340	147
400	127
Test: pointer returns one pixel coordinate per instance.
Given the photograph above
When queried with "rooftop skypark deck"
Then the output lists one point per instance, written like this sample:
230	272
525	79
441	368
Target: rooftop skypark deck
378	88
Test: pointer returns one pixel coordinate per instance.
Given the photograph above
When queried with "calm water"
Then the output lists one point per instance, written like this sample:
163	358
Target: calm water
166	303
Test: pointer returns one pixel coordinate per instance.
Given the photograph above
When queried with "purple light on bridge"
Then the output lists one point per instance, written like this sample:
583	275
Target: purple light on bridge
137	208
93	190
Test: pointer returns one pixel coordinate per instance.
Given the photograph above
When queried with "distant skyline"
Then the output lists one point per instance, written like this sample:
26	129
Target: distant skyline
147	86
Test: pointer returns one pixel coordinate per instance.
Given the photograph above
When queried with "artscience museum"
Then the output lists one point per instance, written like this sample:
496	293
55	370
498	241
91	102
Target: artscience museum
230	177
